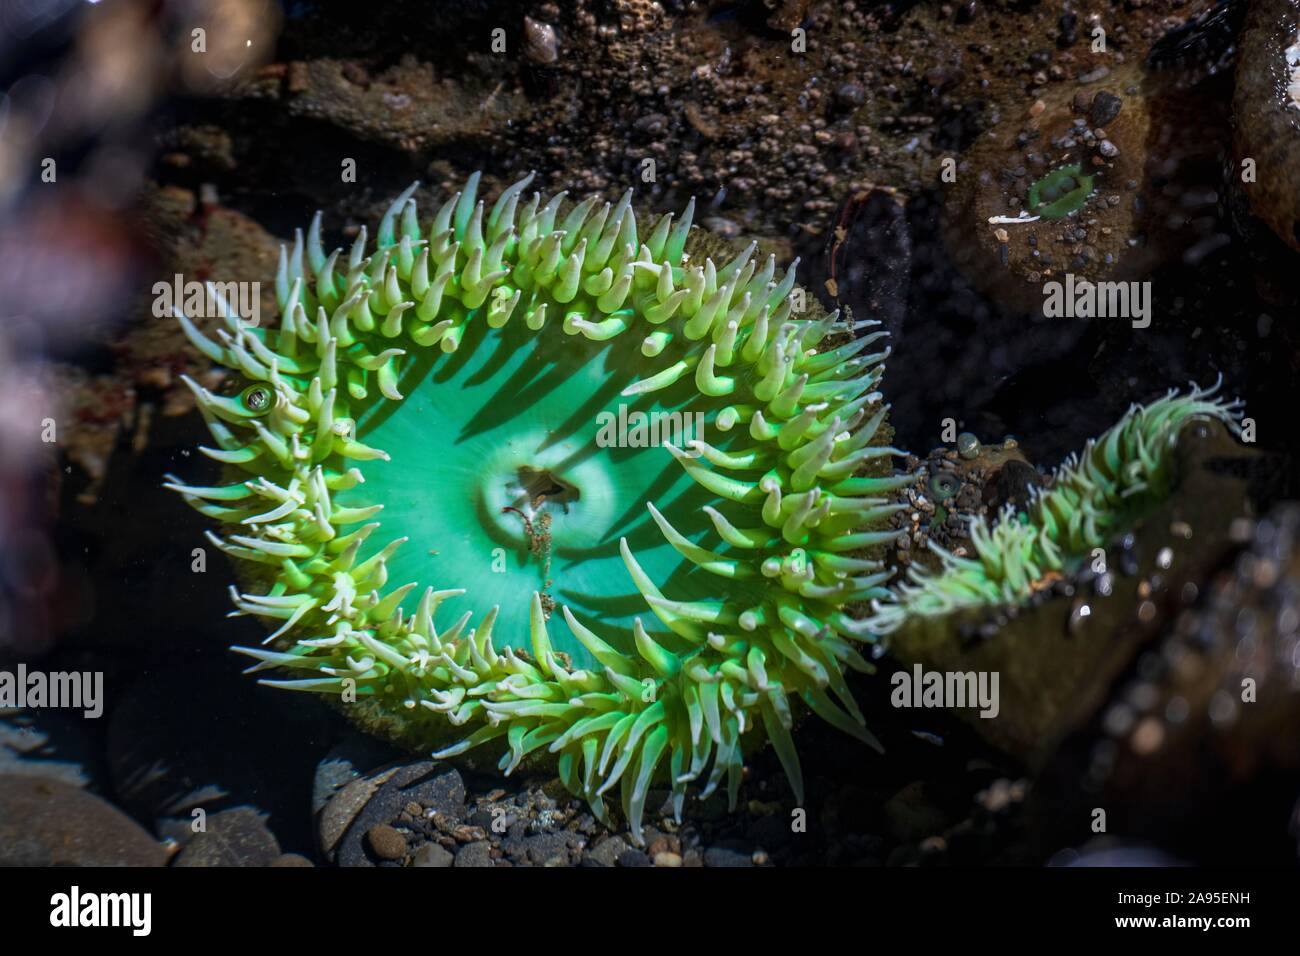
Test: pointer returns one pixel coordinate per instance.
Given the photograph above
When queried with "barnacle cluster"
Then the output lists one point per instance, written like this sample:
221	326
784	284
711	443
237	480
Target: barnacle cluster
1090	499
450	379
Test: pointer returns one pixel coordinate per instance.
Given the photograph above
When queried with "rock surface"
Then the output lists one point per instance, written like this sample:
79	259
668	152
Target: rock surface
48	823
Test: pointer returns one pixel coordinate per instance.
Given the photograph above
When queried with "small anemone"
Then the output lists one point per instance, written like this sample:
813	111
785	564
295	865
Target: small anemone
944	485
1092	497
1060	192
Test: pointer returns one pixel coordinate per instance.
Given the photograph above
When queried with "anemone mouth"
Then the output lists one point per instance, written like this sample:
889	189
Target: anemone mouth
537	487
1060	192
550	413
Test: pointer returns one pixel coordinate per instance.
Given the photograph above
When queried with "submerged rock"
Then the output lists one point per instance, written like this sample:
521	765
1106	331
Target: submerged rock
238	837
48	823
1195	746
1266	105
1051	191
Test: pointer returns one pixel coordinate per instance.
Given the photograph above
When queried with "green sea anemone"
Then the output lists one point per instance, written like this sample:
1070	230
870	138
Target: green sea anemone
1090	499
555	418
1060	192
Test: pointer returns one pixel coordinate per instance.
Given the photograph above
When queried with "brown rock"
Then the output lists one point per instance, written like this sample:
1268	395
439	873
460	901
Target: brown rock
47	823
238	837
387	843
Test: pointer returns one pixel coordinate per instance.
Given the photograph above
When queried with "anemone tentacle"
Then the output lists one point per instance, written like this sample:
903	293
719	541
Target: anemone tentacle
1090	499
784	505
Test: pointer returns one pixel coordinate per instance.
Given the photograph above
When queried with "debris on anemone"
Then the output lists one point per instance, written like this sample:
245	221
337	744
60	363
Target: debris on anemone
657	486
1092	498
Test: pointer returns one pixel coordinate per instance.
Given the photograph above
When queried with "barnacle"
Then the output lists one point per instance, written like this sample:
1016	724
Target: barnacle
636	606
1091	498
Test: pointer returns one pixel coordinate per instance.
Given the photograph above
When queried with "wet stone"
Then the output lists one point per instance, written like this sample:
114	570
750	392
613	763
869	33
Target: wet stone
542	849
607	851
49	743
1012	484
436	787
1069	30
355	756
386	842
1105	107
433	854
850	95
728	855
478	854
49	823
343	808
238	837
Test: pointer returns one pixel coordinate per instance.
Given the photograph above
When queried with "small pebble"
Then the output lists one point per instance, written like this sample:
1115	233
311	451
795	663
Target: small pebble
541	45
850	94
1104	108
433	854
387	843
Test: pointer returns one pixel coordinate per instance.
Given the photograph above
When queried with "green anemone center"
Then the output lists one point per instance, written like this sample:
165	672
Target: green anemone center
517	465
